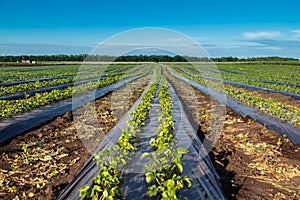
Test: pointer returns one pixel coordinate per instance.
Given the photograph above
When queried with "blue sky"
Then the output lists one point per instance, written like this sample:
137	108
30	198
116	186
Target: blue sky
224	28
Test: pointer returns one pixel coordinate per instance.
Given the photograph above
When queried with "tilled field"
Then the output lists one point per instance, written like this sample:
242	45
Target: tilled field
41	162
253	162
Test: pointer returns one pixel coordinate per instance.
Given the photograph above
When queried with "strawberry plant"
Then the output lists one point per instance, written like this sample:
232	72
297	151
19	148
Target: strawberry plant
164	174
106	184
13	107
274	107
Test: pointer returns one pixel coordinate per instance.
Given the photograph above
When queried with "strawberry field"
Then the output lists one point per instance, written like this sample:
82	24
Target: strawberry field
150	131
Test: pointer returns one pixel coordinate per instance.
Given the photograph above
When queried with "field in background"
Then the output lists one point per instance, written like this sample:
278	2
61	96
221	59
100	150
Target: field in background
256	155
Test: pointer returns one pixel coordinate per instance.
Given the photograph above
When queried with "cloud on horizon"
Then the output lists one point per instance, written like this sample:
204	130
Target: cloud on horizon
261	35
254	45
42	49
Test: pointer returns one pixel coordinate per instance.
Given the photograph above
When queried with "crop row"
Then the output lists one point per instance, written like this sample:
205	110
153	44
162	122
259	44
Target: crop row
249	80
280	87
33	86
274	107
42	84
106	184
270	72
9	108
10	74
164	173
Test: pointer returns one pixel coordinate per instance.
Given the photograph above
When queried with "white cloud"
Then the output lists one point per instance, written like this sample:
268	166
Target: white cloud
269	48
297	33
261	34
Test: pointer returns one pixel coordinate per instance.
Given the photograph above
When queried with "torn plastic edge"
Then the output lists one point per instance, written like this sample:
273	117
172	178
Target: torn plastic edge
18	124
273	123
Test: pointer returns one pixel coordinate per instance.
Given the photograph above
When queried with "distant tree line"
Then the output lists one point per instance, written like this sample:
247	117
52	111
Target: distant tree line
253	59
135	58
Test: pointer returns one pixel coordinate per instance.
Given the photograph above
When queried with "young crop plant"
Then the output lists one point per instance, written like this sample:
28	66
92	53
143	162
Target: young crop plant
272	106
13	107
164	174
106	184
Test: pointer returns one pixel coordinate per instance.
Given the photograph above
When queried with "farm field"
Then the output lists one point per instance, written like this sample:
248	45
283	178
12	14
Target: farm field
156	130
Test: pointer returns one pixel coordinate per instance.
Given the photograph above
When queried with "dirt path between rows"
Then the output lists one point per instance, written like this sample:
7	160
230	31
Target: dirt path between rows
253	162
41	162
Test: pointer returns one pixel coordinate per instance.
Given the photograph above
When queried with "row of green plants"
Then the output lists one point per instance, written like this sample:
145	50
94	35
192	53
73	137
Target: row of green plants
106	184
13	107
285	88
270	72
250	80
4	90
272	106
33	86
164	174
11	74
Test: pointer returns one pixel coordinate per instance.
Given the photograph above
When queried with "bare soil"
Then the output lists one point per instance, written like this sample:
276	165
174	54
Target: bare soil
252	161
41	162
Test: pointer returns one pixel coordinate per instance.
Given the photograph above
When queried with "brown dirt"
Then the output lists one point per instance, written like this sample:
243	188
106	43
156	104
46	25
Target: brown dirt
253	162
41	162
264	94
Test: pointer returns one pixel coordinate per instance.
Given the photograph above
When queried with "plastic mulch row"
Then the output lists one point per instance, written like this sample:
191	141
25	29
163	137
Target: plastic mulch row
197	164
22	95
90	170
280	126
18	124
295	96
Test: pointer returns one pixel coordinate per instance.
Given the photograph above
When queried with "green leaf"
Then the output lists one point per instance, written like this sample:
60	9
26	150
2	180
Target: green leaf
149	177
179	167
144	155
85	191
182	150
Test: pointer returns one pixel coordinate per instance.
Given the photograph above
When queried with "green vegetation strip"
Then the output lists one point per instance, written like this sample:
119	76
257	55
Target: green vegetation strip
164	174
253	73
4	90
106	184
9	108
11	74
33	86
274	107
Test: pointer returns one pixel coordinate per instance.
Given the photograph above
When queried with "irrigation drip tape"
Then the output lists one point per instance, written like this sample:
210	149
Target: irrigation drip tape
196	164
280	126
295	96
90	170
46	89
18	124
